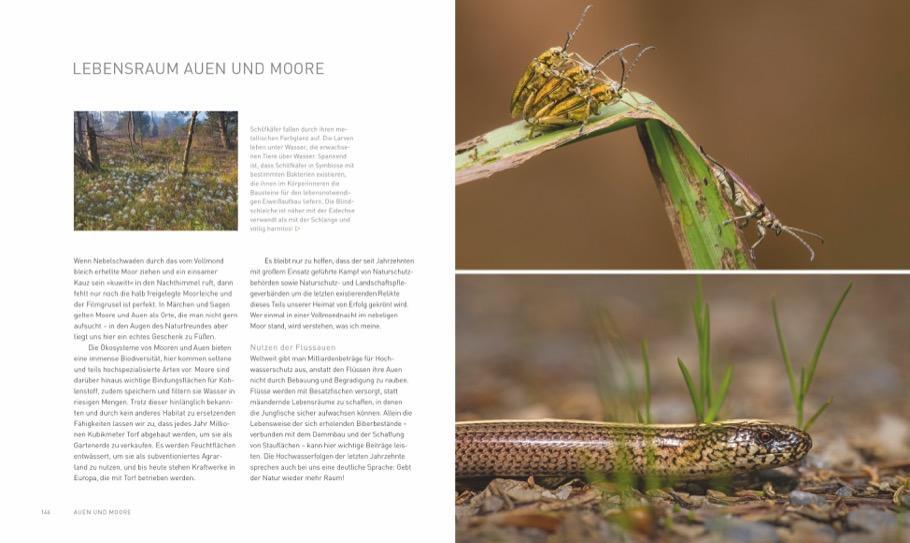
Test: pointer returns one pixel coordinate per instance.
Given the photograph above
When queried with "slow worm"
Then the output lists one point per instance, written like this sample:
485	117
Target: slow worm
570	448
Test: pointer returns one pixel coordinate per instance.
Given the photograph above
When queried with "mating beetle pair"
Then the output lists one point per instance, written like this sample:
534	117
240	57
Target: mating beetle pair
560	88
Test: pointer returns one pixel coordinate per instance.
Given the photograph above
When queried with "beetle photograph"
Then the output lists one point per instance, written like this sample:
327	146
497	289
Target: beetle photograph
801	106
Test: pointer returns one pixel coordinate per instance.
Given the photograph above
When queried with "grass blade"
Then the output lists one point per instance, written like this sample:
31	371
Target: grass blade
813	418
607	388
706	330
721	395
621	402
693	393
806	373
687	185
647	380
702	374
788	364
821	341
698	313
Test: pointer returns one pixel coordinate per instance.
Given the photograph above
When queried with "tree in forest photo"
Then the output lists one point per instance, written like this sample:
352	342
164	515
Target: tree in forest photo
155	170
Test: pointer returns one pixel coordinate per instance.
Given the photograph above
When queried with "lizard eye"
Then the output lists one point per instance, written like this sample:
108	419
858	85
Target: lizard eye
765	436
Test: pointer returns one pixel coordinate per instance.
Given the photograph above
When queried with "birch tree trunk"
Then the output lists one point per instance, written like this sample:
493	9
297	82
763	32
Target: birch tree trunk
92	158
222	127
189	143
77	121
81	162
130	131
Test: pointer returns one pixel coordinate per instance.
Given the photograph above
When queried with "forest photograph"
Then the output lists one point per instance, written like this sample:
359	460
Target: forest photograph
155	170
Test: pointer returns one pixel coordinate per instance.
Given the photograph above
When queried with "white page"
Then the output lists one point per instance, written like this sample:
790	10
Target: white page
388	77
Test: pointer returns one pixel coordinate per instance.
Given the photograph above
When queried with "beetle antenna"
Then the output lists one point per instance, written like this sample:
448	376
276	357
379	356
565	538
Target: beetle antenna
571	34
792	231
627	72
612	53
731	184
807	232
747	217
711	158
762	232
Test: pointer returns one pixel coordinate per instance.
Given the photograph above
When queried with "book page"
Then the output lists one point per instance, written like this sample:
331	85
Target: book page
231	322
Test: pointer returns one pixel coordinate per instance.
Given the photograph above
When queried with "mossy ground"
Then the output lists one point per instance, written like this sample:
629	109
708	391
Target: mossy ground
144	190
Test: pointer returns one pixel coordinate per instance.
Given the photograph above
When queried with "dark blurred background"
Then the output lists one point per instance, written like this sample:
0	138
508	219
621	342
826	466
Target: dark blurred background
808	101
527	345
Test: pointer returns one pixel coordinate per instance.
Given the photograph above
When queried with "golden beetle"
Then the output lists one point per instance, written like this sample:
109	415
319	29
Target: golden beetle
577	93
559	88
542	69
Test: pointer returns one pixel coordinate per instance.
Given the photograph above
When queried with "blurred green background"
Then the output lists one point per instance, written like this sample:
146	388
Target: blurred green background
808	101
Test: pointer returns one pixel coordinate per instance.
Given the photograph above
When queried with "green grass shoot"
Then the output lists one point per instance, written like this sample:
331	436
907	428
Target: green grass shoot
706	400
706	396
799	389
647	382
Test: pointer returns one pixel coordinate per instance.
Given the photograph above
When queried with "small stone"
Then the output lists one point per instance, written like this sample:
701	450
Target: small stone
892	437
905	500
492	504
815	461
563	492
841	455
871	520
741	531
844	492
798	497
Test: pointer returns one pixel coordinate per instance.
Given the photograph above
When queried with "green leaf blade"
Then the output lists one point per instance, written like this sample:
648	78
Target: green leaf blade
693	392
698	212
721	395
788	364
817	414
824	337
647	378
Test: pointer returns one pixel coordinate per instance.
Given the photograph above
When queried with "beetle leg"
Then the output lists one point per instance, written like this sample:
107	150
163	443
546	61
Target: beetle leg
746	218
554	121
762	232
593	109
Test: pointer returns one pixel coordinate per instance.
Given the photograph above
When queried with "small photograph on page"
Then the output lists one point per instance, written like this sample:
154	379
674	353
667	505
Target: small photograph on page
155	170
